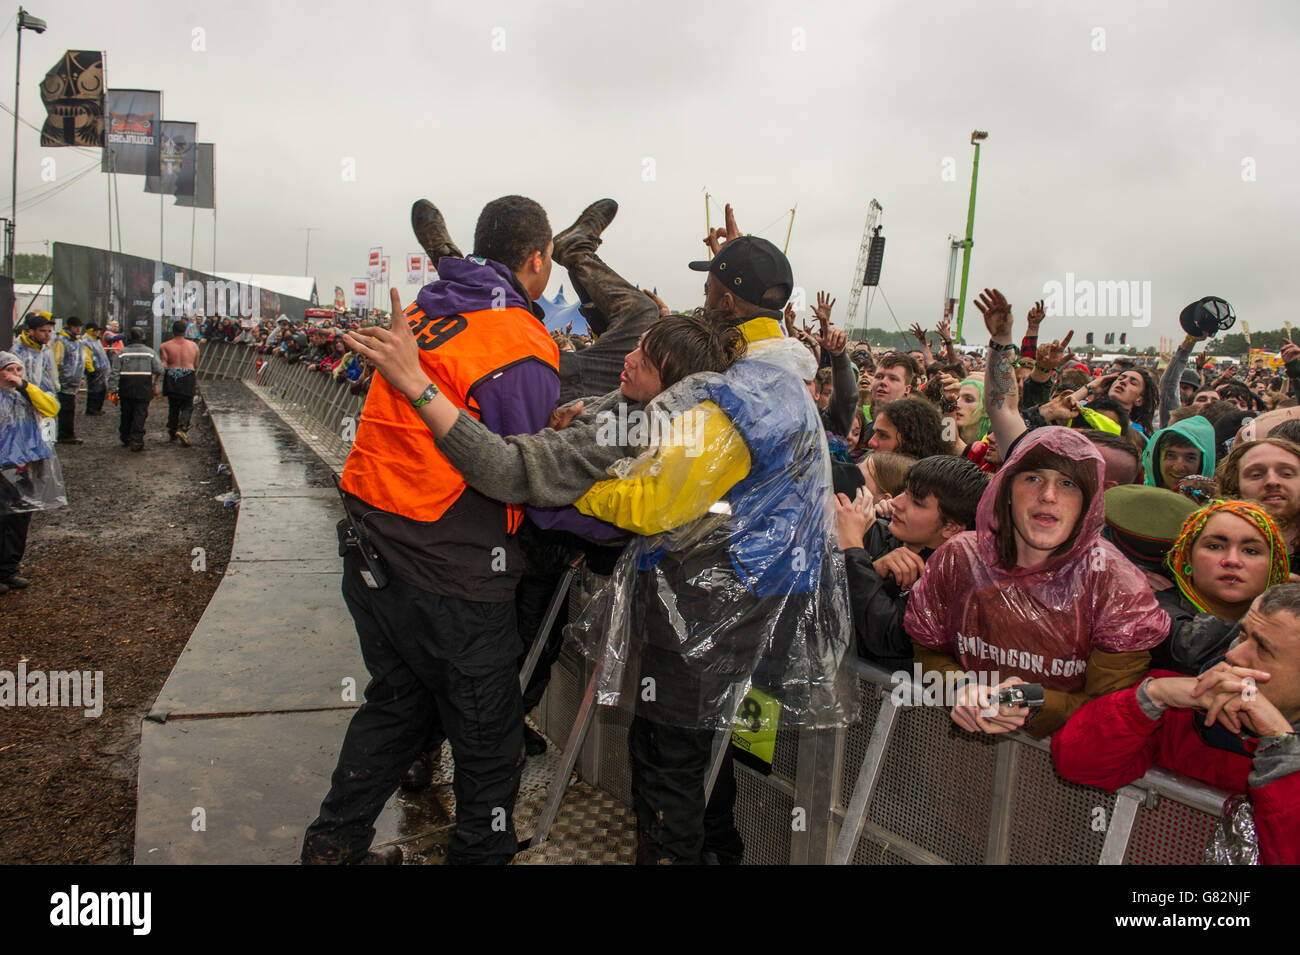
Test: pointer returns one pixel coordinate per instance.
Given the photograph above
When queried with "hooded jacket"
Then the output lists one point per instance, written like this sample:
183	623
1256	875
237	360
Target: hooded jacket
38	363
1196	430
1048	624
73	360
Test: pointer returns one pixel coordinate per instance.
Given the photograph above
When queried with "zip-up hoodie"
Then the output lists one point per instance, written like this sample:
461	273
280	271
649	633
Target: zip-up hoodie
1196	430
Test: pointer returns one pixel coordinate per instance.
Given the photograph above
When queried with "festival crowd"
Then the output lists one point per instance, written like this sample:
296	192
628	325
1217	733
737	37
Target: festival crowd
1095	551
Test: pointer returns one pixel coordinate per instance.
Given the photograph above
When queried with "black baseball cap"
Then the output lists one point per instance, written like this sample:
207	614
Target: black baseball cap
36	320
748	266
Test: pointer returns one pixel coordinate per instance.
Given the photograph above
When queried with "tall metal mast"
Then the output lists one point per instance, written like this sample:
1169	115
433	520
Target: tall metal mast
860	270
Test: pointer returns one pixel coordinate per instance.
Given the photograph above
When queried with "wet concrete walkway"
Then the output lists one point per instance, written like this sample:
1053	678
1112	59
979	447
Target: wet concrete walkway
237	752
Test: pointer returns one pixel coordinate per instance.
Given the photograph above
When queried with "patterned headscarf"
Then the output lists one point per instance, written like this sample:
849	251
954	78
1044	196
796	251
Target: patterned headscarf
1180	555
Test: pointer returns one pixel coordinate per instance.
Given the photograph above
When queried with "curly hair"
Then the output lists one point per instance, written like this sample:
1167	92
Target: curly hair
1229	470
920	429
510	230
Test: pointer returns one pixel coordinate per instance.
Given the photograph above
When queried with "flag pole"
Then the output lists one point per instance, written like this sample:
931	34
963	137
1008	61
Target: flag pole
108	185
117	202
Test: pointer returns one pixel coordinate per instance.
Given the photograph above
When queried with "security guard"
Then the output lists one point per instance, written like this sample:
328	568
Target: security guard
435	611
134	379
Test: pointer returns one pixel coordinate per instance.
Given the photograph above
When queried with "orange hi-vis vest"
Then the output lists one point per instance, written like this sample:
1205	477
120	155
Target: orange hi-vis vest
394	464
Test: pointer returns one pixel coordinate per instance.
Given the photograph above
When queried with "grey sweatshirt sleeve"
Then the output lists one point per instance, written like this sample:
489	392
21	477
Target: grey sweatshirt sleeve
838	417
1276	757
546	469
1173	377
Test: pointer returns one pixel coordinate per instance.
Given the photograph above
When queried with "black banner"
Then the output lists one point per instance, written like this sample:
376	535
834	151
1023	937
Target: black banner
131	132
176	160
104	287
73	93
205	193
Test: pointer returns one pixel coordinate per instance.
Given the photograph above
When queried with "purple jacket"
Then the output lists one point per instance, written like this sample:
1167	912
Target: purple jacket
520	399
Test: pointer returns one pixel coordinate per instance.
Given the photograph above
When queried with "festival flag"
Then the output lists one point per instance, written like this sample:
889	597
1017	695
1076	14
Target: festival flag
415	268
132	143
176	160
360	293
73	94
383	270
430	270
340	301
205	192
375	264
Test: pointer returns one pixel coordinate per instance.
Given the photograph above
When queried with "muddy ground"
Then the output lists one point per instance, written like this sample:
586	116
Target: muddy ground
113	590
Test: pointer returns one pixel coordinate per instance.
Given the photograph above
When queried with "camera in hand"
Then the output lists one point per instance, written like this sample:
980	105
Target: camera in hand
1022	694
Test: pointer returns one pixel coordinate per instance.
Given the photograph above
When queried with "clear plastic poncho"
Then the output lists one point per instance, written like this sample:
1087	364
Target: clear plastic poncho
30	476
753	594
1042	624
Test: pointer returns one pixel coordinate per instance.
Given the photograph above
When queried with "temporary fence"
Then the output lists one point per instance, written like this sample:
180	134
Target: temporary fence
902	786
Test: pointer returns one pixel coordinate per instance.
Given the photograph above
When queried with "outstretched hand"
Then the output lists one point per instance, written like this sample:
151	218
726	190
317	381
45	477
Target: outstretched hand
393	351
997	315
1036	314
1054	354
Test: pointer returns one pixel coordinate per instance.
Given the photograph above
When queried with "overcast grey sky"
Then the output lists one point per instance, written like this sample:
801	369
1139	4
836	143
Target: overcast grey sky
1120	155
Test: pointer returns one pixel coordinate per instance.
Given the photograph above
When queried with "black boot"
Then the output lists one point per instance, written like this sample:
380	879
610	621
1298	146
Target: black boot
534	742
431	231
594	220
420	773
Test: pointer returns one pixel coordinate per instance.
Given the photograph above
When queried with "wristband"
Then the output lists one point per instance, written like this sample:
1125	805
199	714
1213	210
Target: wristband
1009	346
426	396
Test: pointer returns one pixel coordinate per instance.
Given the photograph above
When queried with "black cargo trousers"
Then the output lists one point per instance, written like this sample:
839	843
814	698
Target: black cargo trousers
432	660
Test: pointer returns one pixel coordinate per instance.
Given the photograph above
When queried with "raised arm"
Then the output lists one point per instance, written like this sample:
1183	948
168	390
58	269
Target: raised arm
1001	394
1172	379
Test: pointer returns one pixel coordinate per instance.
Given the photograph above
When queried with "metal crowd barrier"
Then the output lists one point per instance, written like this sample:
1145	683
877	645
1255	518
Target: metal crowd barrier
906	786
902	786
319	407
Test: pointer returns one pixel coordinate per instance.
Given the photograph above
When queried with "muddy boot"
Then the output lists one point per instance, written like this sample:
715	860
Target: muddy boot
431	231
534	742
420	773
584	234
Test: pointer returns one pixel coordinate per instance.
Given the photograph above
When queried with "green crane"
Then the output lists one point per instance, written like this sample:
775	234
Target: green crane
976	138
